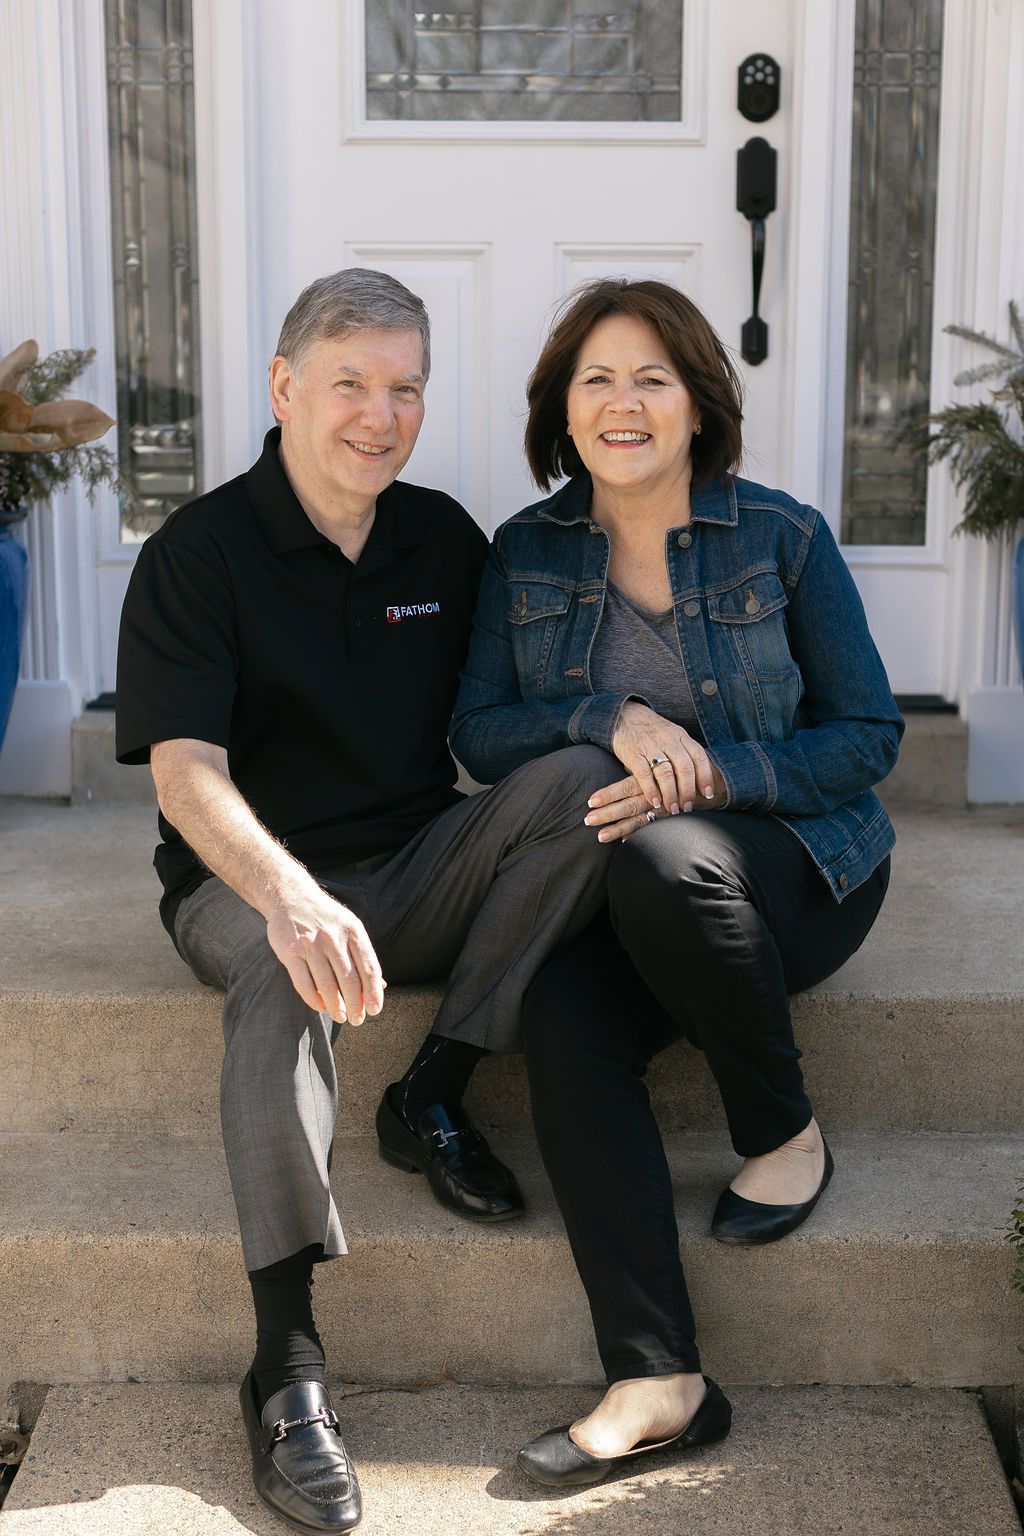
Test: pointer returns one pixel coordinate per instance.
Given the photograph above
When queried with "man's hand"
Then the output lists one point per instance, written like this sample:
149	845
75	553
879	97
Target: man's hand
670	768
328	955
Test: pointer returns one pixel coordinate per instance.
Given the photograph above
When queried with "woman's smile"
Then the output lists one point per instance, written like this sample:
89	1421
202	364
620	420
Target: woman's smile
625	439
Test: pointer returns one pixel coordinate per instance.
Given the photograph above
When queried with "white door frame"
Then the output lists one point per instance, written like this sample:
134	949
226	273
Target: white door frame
979	267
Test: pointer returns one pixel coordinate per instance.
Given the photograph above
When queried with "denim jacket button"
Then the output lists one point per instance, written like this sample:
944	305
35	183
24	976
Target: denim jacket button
574	671
692	610
844	881
685	539
709	687
752	605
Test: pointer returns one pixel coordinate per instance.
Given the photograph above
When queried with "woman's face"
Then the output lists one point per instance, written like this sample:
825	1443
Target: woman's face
630	414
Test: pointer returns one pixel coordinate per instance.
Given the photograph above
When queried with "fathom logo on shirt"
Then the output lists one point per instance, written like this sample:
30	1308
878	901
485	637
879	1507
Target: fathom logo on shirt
396	612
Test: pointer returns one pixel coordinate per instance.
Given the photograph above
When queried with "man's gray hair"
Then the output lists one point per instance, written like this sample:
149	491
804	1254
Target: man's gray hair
355	299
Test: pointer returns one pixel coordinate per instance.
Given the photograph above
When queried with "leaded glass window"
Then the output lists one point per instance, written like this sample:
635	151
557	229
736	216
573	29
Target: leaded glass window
525	61
152	167
892	256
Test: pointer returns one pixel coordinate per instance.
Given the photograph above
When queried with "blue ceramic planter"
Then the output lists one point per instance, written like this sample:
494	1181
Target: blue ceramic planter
13	605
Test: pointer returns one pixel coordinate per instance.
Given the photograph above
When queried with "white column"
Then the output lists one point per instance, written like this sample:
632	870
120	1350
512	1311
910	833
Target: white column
55	287
989	684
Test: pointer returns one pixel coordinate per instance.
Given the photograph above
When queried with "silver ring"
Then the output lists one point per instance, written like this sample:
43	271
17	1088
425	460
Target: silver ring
651	816
656	762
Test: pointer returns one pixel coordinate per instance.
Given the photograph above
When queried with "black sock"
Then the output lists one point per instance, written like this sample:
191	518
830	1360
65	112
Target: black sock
288	1347
438	1075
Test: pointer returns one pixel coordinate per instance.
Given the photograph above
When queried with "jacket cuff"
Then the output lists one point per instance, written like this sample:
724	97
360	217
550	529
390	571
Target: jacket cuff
749	779
597	718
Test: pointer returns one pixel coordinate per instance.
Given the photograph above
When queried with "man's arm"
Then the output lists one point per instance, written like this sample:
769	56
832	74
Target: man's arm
322	945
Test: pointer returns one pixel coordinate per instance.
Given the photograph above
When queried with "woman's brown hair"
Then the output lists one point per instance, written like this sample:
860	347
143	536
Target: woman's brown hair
690	341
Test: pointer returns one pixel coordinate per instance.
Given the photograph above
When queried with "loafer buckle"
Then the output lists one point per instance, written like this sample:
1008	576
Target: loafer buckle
442	1138
325	1416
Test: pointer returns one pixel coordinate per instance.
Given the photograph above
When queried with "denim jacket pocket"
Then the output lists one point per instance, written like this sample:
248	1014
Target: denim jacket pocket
752	619
749	626
536	611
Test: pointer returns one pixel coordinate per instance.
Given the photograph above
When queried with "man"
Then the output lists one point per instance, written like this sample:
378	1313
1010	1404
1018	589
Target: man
289	653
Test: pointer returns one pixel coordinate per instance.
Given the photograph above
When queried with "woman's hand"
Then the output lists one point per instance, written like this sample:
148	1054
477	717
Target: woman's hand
621	809
670	768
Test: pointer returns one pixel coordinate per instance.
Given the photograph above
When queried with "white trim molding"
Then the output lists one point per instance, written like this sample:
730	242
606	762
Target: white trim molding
226	73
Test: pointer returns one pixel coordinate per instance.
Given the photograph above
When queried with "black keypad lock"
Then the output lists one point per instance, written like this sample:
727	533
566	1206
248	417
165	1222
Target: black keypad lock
758	97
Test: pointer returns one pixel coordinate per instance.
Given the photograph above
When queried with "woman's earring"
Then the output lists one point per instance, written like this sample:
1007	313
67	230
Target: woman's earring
697	430
568	430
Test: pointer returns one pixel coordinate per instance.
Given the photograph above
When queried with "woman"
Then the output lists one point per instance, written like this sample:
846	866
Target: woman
706	631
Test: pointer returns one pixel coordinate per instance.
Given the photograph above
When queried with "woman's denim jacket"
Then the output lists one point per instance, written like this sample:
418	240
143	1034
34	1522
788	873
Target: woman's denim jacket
790	692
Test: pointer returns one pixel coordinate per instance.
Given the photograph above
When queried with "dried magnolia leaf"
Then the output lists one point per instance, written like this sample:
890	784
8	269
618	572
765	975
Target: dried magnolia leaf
15	413
31	442
73	421
17	363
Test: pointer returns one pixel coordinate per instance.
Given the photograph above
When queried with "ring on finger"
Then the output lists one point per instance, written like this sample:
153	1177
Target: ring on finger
656	762
651	816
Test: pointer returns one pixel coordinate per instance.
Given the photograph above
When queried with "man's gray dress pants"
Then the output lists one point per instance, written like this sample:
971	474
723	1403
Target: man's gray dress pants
483	895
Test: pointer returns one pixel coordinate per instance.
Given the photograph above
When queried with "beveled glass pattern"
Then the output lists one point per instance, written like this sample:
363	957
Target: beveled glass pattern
897	68
152	168
525	61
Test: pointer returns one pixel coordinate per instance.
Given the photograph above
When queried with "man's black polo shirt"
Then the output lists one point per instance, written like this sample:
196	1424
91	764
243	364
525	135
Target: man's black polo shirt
331	685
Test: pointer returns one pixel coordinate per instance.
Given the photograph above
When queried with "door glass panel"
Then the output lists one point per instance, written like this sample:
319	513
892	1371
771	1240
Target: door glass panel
897	68
525	61
156	314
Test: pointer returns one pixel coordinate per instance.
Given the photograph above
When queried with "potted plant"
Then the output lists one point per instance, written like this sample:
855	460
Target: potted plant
43	439
982	443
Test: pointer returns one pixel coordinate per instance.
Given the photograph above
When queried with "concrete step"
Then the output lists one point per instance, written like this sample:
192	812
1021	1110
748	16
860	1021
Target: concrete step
102	1028
96	775
932	770
119	1258
829	1461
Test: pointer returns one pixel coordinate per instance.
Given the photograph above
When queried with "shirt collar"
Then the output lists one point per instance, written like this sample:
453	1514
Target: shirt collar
285	525
713	503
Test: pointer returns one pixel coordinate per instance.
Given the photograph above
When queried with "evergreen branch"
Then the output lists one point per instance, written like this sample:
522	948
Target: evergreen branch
984	461
1017	324
36	477
984	371
51	377
982	338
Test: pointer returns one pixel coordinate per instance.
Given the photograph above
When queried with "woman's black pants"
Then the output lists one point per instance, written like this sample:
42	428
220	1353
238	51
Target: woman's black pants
716	917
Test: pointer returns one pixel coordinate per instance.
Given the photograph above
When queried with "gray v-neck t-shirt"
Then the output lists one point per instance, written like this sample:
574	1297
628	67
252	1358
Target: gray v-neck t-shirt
637	651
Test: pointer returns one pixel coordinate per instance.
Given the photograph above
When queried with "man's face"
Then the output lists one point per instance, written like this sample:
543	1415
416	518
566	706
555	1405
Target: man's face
351	413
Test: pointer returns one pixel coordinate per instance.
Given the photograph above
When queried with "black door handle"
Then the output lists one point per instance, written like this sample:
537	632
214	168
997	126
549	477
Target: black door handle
756	165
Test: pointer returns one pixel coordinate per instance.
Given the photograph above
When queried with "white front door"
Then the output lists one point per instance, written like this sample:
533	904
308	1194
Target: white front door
494	154
491	219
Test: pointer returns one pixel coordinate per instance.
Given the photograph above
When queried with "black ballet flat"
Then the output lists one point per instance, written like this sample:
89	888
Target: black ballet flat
746	1223
555	1459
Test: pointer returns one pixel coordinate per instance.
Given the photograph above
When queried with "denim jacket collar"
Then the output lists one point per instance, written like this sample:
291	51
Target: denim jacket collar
713	503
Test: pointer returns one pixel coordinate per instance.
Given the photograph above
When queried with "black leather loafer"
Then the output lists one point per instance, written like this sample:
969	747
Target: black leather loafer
459	1166
300	1467
745	1223
557	1461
